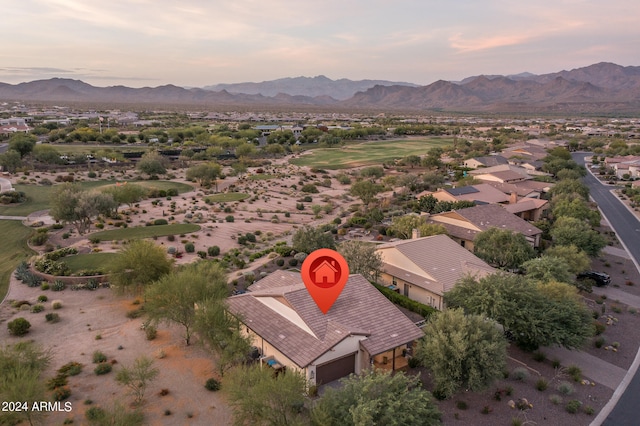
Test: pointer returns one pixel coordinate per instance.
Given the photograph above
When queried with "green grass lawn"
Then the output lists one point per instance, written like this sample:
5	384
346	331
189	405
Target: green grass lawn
368	153
145	231
12	250
38	196
227	197
89	261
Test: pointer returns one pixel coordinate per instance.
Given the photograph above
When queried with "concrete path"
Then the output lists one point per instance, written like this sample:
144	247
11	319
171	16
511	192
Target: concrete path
616	294
13	218
616	252
594	368
5	185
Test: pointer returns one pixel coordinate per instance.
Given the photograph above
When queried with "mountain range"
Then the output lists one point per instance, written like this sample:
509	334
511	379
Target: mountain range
601	88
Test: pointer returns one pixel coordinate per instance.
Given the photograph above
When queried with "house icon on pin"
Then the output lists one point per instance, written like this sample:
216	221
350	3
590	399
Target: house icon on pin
326	274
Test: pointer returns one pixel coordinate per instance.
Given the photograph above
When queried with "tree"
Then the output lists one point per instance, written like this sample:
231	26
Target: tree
577	260
373	172
222	333
205	174
376	397
10	161
174	296
530	316
138	264
547	268
258	398
47	154
21	369
240	168
502	248
308	239
22	143
365	190
127	193
153	163
568	231
577	208
570	186
462	351
137	377
362	259
70	203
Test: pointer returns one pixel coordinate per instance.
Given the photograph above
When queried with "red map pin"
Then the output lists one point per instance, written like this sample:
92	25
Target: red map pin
325	273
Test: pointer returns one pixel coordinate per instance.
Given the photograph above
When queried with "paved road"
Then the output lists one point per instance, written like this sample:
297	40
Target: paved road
627	228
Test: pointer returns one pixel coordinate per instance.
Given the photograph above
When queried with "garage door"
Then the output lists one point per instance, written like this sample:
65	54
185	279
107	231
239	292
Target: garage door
336	369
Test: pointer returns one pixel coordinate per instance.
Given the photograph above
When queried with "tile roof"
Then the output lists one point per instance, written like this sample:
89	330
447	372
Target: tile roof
480	192
279	309
493	216
442	260
525	204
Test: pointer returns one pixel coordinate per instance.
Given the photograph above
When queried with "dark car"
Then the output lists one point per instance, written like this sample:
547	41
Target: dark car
600	278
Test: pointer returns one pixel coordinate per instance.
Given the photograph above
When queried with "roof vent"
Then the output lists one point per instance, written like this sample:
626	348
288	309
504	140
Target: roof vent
282	336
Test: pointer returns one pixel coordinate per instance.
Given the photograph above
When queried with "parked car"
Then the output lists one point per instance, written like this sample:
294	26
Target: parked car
600	278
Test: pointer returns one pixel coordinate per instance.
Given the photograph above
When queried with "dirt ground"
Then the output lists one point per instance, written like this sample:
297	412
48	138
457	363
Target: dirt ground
88	314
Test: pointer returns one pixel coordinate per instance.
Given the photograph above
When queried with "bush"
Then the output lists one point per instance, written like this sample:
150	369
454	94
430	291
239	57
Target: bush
405	302
520	373
91	175
171	237
72	368
42	298
542	385
99	357
573	406
19	326
56	304
293	262
57	382
160	222
575	372
52	317
461	405
280	262
588	410
555	399
598	328
95	413
39	239
229	218
539	356
189	248
102	368
60	394
58	285
565	388
37	308
212	384
213	251
150	332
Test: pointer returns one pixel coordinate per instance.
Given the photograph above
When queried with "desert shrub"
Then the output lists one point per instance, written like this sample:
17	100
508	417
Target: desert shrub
160	222
565	388
91	175
229	218
212	384
37	308
45	286
293	262
520	373
71	368
62	393
58	285
280	262
299	206
599	342
52	317
539	356
598	328
171	237
462	405
573	406
56	304
66	235
150	332
309	188
202	254
136	313
250	237
19	326
102	368
213	251
42	298
555	399
95	413
575	372
588	410
189	248
39	239
542	385
99	357
56	382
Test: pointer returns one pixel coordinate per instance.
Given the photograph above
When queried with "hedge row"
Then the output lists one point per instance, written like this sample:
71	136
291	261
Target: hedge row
405	302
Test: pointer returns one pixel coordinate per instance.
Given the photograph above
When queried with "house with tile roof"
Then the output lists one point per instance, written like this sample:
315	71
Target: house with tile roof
361	329
463	225
486	161
424	269
481	193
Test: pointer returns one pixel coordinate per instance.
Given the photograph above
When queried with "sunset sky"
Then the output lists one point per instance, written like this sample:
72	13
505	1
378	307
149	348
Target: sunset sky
202	42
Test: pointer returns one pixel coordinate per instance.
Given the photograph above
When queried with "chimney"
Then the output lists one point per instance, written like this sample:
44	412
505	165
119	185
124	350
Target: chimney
415	233
513	198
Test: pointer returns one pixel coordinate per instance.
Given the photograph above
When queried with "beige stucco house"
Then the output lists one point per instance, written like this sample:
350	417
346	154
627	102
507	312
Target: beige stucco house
424	269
